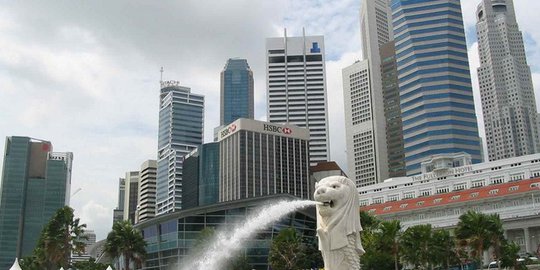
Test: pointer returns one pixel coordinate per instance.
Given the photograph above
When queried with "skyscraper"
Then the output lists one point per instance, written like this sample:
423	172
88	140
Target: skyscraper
35	184
506	88
434	81
118	212
201	175
146	199
261	158
366	157
365	121
131	193
236	91
296	85
181	129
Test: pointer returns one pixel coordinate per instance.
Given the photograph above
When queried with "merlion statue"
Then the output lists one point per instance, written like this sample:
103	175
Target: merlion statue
338	223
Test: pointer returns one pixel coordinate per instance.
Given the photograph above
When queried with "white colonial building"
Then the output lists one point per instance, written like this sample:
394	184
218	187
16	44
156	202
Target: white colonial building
509	187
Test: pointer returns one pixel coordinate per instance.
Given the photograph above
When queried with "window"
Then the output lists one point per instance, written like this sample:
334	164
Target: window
378	200
477	183
408	195
425	192
455	197
387	208
393	198
513	188
420	203
494	192
460	186
438	200
443	190
496	180
404	205
474	195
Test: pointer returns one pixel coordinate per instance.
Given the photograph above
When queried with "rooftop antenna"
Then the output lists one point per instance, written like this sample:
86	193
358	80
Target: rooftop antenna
161	71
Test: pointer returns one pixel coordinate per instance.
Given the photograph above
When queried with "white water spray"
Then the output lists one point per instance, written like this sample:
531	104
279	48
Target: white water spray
227	244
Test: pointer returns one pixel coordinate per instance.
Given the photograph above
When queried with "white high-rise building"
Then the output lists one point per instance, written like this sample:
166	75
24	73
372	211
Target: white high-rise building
506	87
130	196
359	125
365	120
146	198
296	83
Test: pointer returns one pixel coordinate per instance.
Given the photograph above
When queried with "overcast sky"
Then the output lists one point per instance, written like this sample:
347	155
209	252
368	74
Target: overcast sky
85	74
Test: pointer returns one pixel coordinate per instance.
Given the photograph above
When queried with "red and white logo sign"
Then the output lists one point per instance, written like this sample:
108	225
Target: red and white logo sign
287	131
232	128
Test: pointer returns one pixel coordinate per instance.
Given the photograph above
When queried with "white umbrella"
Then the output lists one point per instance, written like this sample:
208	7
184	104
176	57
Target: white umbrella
61	268
16	265
109	268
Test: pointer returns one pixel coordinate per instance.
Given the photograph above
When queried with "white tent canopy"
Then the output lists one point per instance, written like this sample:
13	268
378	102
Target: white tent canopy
16	265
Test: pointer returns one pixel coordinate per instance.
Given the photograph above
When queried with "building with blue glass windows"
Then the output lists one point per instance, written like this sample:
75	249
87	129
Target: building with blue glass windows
35	184
170	238
201	176
236	91
181	129
434	80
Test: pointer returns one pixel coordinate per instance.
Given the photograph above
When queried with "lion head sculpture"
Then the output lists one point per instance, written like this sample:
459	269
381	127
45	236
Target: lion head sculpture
338	222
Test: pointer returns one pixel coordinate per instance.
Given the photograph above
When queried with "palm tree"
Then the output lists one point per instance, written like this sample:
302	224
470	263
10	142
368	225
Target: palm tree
61	237
475	229
496	236
443	249
415	245
126	241
390	232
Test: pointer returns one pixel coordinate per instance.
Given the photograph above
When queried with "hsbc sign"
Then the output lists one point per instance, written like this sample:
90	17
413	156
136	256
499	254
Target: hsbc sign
228	130
276	129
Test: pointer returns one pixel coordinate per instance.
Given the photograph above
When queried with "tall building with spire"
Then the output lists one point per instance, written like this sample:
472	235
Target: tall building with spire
35	183
436	98
236	91
296	88
506	89
181	129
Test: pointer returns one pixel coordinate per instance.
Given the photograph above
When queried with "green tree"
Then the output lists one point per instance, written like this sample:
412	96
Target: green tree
509	256
62	236
474	228
390	232
378	254
443	249
481	232
126	241
89	265
287	251
415	246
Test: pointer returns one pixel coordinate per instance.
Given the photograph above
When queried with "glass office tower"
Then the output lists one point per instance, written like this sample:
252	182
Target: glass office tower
236	91
35	184
434	81
181	129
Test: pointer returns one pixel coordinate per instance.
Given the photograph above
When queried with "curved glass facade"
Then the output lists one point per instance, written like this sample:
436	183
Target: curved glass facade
170	237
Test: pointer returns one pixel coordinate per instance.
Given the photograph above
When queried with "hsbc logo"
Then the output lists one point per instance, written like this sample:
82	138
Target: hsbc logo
277	129
228	130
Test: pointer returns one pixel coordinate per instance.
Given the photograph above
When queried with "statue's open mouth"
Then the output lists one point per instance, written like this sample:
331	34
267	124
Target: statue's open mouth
329	203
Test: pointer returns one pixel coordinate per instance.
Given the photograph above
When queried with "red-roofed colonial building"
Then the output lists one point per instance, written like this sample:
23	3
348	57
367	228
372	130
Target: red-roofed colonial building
510	188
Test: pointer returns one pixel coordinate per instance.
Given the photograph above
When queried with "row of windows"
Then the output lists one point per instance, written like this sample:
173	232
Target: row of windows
295	58
423	98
